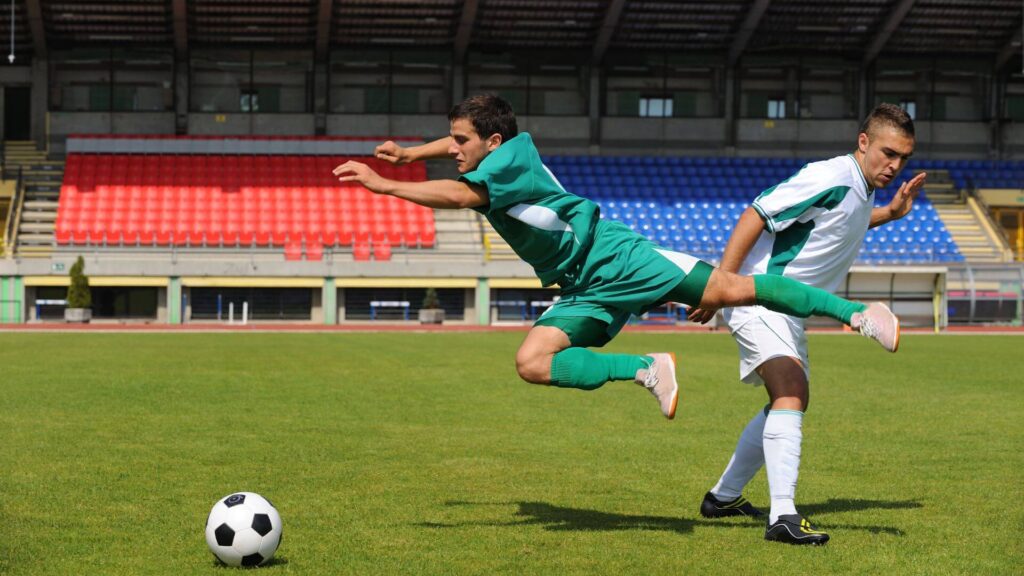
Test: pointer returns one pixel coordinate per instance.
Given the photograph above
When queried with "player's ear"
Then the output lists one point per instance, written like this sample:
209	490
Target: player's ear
493	141
862	142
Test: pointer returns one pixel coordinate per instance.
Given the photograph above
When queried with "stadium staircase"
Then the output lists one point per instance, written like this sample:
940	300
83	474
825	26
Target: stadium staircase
968	224
37	211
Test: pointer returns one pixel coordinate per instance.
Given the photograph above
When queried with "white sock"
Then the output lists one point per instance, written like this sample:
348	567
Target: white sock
782	437
745	461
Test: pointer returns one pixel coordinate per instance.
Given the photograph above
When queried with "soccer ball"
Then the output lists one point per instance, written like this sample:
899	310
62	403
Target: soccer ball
243	529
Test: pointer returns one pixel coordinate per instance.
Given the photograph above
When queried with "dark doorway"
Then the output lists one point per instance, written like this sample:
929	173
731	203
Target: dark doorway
17	112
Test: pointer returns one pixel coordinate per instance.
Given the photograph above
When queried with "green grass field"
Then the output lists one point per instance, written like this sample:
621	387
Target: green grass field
424	454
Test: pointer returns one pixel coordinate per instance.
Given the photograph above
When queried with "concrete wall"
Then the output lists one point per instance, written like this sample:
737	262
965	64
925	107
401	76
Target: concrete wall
951	140
64	123
569	135
690	136
1013	141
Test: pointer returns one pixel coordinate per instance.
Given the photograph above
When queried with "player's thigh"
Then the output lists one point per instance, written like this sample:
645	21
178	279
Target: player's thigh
767	336
786	382
585	320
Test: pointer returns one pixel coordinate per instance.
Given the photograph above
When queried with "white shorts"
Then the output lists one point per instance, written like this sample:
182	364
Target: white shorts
766	336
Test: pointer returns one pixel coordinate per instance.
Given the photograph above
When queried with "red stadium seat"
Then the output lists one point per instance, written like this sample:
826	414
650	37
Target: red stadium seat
361	252
293	251
232	199
314	250
382	251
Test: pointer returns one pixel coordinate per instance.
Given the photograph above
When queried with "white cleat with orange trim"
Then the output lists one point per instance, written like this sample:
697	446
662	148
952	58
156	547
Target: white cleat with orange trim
878	323
660	379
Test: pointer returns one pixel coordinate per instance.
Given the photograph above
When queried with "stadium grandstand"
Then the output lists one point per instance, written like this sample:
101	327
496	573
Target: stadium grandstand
184	148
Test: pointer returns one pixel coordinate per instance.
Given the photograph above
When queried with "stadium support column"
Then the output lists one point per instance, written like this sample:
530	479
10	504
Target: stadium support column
730	109
596	72
181	96
40	102
329	301
483	302
179	18
174	311
320	95
12	300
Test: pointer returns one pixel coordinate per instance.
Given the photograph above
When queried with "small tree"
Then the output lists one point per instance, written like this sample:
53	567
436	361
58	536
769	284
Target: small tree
79	295
430	300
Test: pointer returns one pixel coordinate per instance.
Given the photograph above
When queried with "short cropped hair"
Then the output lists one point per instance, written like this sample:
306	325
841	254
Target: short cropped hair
886	114
489	115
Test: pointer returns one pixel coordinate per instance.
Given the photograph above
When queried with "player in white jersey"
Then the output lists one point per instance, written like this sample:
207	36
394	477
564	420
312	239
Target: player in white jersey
808	228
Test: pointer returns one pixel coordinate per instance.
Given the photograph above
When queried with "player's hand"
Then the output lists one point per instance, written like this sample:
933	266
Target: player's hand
903	201
700	315
391	153
360	173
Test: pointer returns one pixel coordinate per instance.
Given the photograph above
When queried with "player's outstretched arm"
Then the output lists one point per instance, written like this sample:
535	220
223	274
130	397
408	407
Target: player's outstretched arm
396	154
901	203
432	193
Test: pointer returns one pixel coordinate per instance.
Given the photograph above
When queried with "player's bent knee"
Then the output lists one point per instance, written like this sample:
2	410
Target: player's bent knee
533	369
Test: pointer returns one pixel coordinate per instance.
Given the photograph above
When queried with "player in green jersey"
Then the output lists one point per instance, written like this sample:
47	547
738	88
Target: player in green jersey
605	271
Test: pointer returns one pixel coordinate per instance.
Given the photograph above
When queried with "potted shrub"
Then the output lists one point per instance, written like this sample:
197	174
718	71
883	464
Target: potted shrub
79	297
431	311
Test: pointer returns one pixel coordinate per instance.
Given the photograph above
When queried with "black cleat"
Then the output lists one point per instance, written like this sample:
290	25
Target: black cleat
794	529
712	507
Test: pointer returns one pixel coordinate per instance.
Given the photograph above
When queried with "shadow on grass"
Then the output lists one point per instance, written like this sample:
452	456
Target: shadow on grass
273	562
560	518
855	505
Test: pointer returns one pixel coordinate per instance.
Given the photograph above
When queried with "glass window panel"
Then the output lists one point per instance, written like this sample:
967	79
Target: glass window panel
218	80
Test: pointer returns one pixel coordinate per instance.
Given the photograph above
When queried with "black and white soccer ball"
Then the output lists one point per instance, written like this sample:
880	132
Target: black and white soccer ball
243	529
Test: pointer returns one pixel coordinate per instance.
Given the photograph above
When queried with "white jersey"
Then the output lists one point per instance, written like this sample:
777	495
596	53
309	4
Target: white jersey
814	227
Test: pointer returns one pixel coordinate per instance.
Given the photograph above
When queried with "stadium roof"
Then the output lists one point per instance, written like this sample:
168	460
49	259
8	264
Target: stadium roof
723	29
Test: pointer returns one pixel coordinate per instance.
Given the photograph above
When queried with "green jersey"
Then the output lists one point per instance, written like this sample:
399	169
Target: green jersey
549	228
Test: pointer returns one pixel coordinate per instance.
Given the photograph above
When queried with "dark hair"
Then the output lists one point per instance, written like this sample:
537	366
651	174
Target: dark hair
489	114
886	114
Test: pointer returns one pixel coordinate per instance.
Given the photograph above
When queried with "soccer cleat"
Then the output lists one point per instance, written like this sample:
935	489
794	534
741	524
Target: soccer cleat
879	323
794	529
712	507
660	379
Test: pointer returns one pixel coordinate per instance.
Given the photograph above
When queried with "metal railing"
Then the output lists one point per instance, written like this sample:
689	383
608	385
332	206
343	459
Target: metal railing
14	215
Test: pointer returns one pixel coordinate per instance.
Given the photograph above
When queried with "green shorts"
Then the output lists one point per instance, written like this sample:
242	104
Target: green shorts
623	274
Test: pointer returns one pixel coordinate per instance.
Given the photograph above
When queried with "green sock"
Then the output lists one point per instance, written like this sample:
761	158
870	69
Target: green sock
797	299
586	370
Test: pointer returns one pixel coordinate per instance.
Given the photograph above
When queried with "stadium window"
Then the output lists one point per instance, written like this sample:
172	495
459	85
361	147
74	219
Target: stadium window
250	102
685	86
111	80
1015	107
766	84
251	81
389	82
535	84
657	107
910	107
828	89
